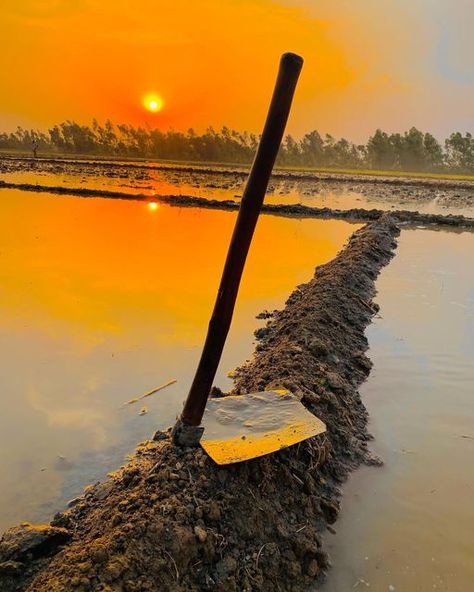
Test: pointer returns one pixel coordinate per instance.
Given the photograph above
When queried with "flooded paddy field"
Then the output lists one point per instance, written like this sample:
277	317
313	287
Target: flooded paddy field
103	300
409	525
226	183
173	520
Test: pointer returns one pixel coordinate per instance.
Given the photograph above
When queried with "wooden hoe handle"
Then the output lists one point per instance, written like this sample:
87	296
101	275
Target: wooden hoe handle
252	199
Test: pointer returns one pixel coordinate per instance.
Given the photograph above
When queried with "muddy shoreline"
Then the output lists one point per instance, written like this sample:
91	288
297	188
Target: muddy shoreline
172	520
240	171
311	188
356	215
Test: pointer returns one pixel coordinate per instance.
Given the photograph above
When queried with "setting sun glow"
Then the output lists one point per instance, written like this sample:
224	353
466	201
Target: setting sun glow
203	70
153	103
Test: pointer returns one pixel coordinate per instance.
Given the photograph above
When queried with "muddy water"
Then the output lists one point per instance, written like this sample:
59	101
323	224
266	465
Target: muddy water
409	526
156	180
101	301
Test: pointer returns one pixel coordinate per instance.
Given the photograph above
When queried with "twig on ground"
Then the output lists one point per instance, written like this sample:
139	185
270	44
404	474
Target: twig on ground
253	495
174	563
364	303
297	479
302	528
149	393
258	555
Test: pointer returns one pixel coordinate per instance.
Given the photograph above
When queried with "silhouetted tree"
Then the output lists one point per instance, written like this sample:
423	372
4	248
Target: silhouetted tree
381	153
410	151
460	151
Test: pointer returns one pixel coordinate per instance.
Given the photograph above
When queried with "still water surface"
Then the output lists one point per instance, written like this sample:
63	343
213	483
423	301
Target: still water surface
102	300
409	526
157	180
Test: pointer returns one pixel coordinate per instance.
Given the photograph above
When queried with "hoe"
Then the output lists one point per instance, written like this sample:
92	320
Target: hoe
241	427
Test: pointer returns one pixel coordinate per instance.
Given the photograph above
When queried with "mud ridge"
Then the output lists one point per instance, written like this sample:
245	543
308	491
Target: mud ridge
241	171
172	520
355	215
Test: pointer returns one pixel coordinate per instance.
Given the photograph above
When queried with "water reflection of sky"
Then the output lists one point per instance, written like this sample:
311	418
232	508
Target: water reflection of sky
409	525
342	196
103	300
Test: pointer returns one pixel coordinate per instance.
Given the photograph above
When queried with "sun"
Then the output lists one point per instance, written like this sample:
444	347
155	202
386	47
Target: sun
153	103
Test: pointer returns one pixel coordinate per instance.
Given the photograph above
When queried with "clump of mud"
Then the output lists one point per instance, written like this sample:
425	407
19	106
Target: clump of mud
173	520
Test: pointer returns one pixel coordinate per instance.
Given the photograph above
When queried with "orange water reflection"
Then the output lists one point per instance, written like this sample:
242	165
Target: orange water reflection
102	300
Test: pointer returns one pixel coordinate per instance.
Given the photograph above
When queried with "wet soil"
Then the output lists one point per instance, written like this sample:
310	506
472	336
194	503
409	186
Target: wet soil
356	215
395	191
173	520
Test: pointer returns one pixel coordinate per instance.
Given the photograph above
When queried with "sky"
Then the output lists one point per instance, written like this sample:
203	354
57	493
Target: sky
369	64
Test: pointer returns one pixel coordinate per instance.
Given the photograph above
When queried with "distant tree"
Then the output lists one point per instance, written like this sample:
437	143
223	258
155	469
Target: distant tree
312	149
413	150
460	152
105	139
56	138
434	157
290	151
381	152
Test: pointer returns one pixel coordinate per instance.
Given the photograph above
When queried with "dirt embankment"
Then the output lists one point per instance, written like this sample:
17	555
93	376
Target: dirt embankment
173	520
292	210
67	164
394	191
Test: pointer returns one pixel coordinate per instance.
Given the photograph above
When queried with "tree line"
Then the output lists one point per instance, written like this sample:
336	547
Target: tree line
413	150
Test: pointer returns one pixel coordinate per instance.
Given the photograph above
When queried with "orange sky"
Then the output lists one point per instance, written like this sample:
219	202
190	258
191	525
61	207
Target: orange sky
369	63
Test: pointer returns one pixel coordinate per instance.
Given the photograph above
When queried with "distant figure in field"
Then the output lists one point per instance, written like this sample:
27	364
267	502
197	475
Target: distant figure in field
34	145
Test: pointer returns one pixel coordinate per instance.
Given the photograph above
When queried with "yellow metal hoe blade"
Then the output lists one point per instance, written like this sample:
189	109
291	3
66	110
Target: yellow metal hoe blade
242	427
